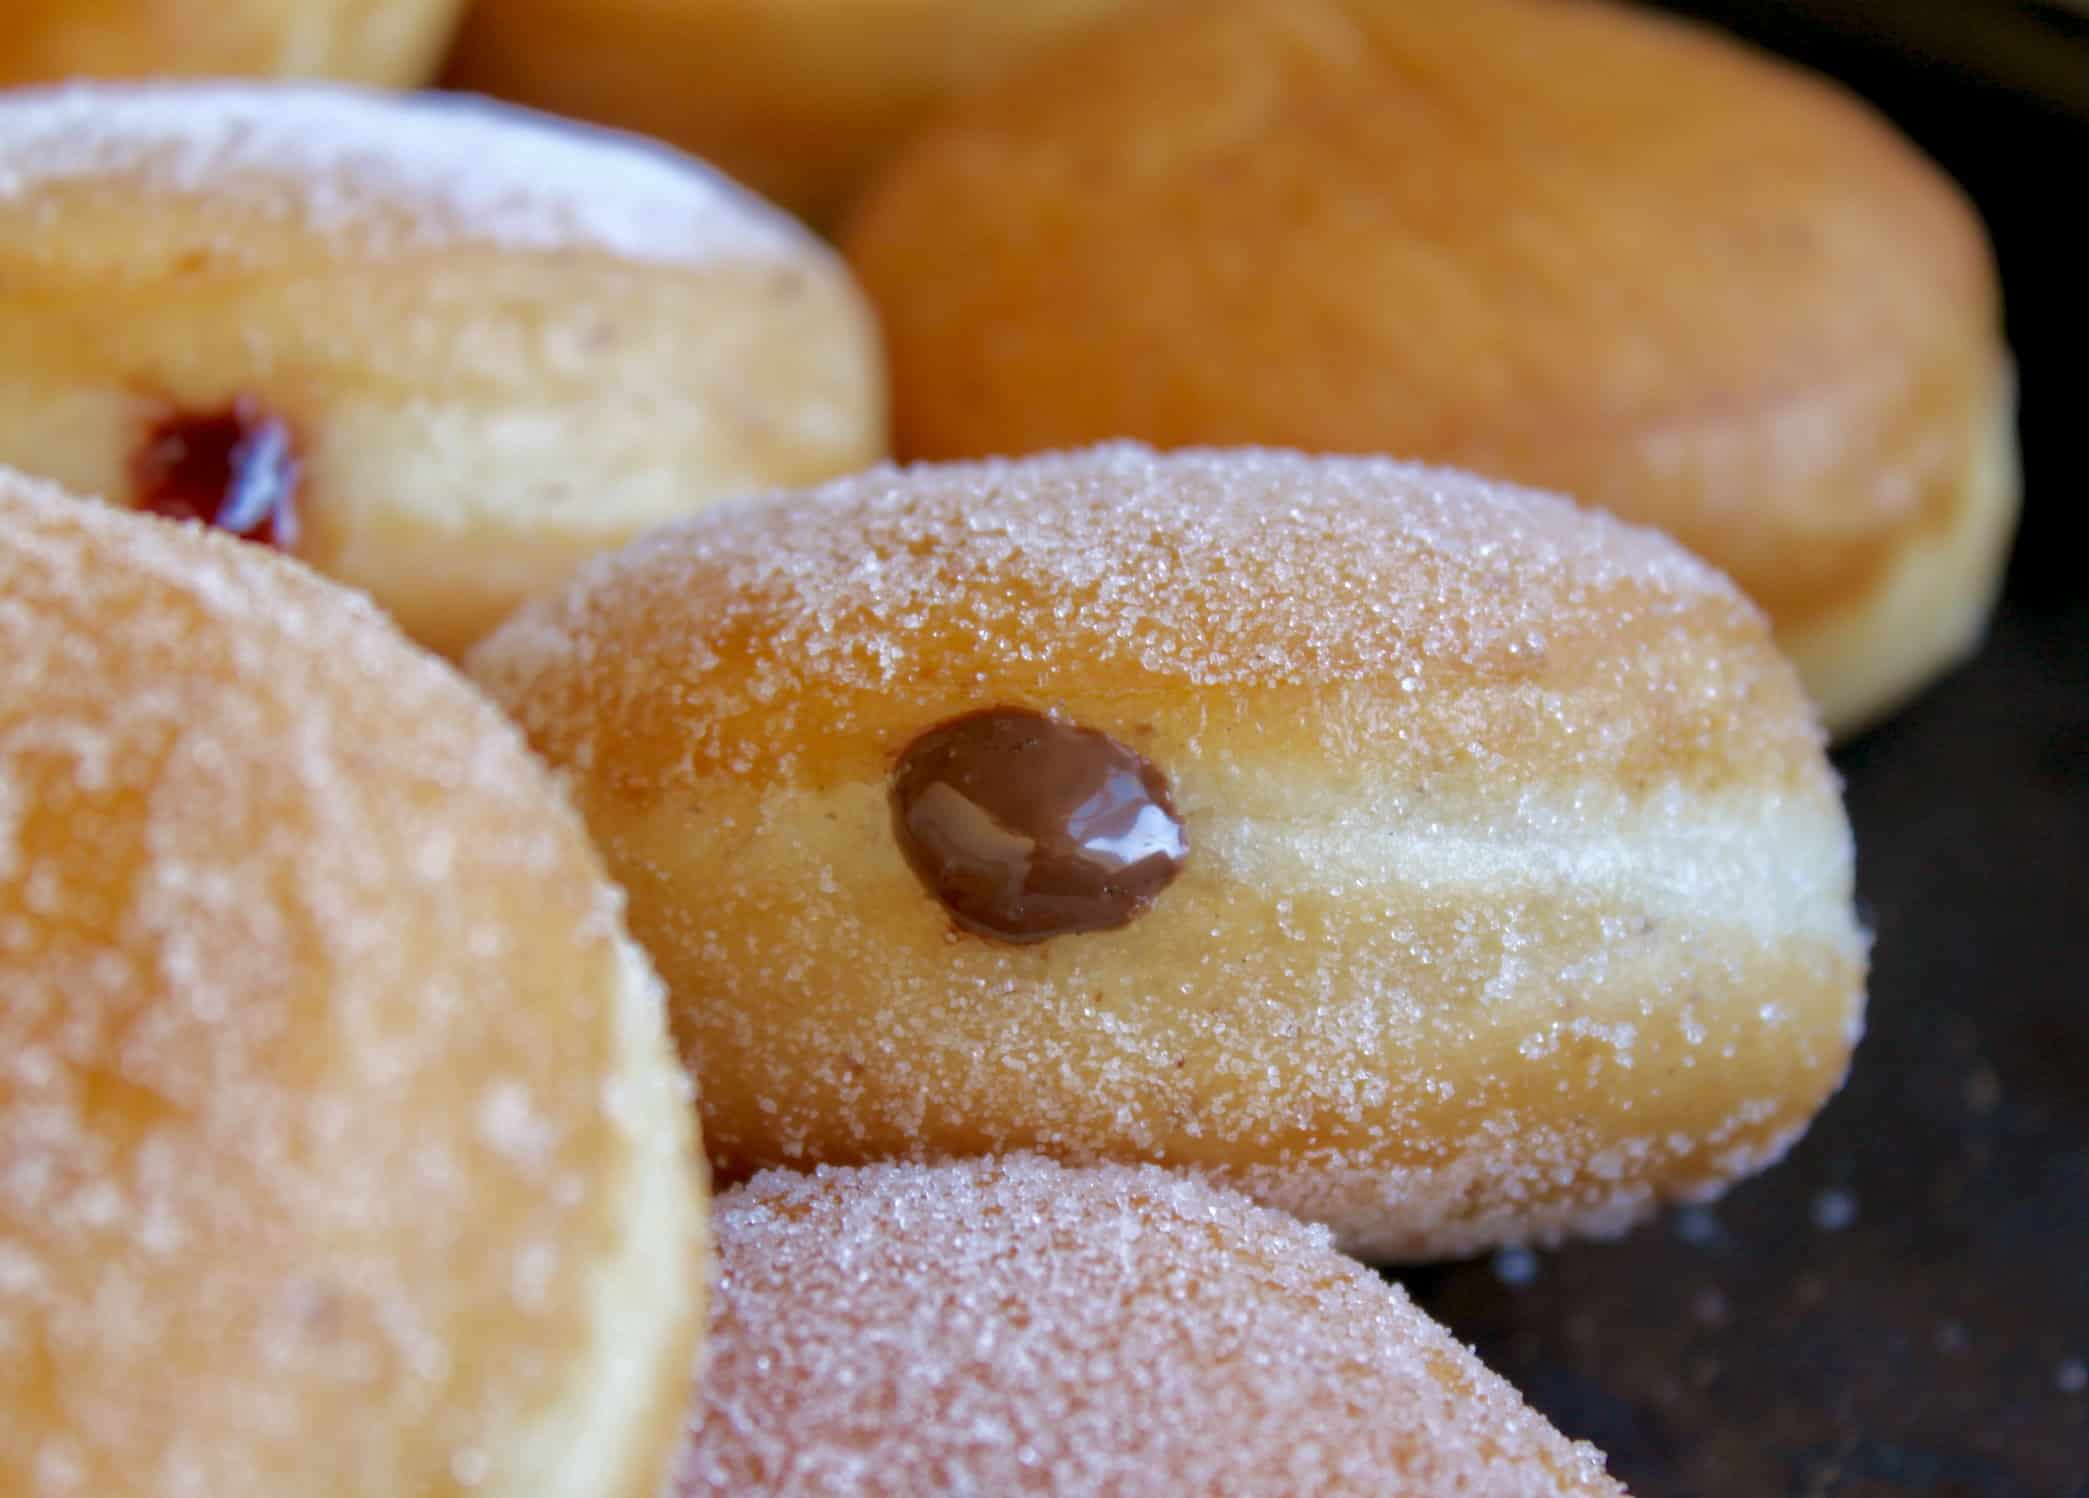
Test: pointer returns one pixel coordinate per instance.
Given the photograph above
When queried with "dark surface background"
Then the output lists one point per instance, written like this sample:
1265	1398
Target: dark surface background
1902	1307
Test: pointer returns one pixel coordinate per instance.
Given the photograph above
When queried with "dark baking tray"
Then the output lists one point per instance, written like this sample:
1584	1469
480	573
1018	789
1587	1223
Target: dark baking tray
1902	1307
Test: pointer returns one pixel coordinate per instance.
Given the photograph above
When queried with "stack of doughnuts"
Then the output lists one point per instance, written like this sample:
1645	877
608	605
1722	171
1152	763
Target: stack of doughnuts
341	1151
341	1147
438	349
1091	884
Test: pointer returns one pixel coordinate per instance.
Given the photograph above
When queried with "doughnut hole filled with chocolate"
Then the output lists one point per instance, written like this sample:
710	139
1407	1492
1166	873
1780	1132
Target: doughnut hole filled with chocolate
1424	856
1027	828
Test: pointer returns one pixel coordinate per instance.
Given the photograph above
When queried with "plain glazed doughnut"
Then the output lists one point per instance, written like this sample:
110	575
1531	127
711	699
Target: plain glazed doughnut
390	42
1010	1327
1428	858
458	346
800	99
1569	244
342	1151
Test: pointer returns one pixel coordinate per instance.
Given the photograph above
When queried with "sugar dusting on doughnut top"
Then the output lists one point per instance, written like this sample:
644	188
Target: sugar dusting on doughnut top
1012	1327
388	174
304	972
1141	574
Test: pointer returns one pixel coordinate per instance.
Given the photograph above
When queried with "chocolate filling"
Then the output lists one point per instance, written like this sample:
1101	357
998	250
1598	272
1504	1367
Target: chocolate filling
1026	827
235	469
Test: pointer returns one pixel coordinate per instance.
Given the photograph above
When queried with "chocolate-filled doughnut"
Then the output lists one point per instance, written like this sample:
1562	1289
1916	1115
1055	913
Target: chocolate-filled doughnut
342	1148
1577	245
438	349
1427	857
1011	1327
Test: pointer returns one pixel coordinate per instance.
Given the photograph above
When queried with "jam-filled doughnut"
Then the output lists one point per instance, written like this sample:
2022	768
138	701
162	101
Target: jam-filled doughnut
1012	1327
1573	245
1427	857
438	349
800	99
342	1149
392	42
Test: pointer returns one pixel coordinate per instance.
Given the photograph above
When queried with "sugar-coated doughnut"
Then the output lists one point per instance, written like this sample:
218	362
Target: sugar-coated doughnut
393	42
456	347
800	99
1011	1327
1429	858
1568	244
342	1150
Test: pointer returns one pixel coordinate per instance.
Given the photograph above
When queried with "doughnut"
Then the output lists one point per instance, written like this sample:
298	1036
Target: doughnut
801	99
342	1149
396	43
1009	1326
1571	245
1427	858
439	350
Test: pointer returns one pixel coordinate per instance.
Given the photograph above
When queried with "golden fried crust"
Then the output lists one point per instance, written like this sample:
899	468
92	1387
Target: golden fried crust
341	1150
392	42
1519	892
1562	243
500	345
800	99
1011	1327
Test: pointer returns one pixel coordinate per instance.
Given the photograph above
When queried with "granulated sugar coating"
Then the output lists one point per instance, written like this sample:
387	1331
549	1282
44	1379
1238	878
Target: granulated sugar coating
385	173
341	1148
1204	570
1517	894
1010	1327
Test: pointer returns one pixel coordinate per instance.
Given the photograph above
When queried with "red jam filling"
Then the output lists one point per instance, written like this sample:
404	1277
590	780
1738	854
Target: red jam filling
236	469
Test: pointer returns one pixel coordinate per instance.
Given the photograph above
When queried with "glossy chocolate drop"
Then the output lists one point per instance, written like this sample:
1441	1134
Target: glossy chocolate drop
235	469
1027	828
